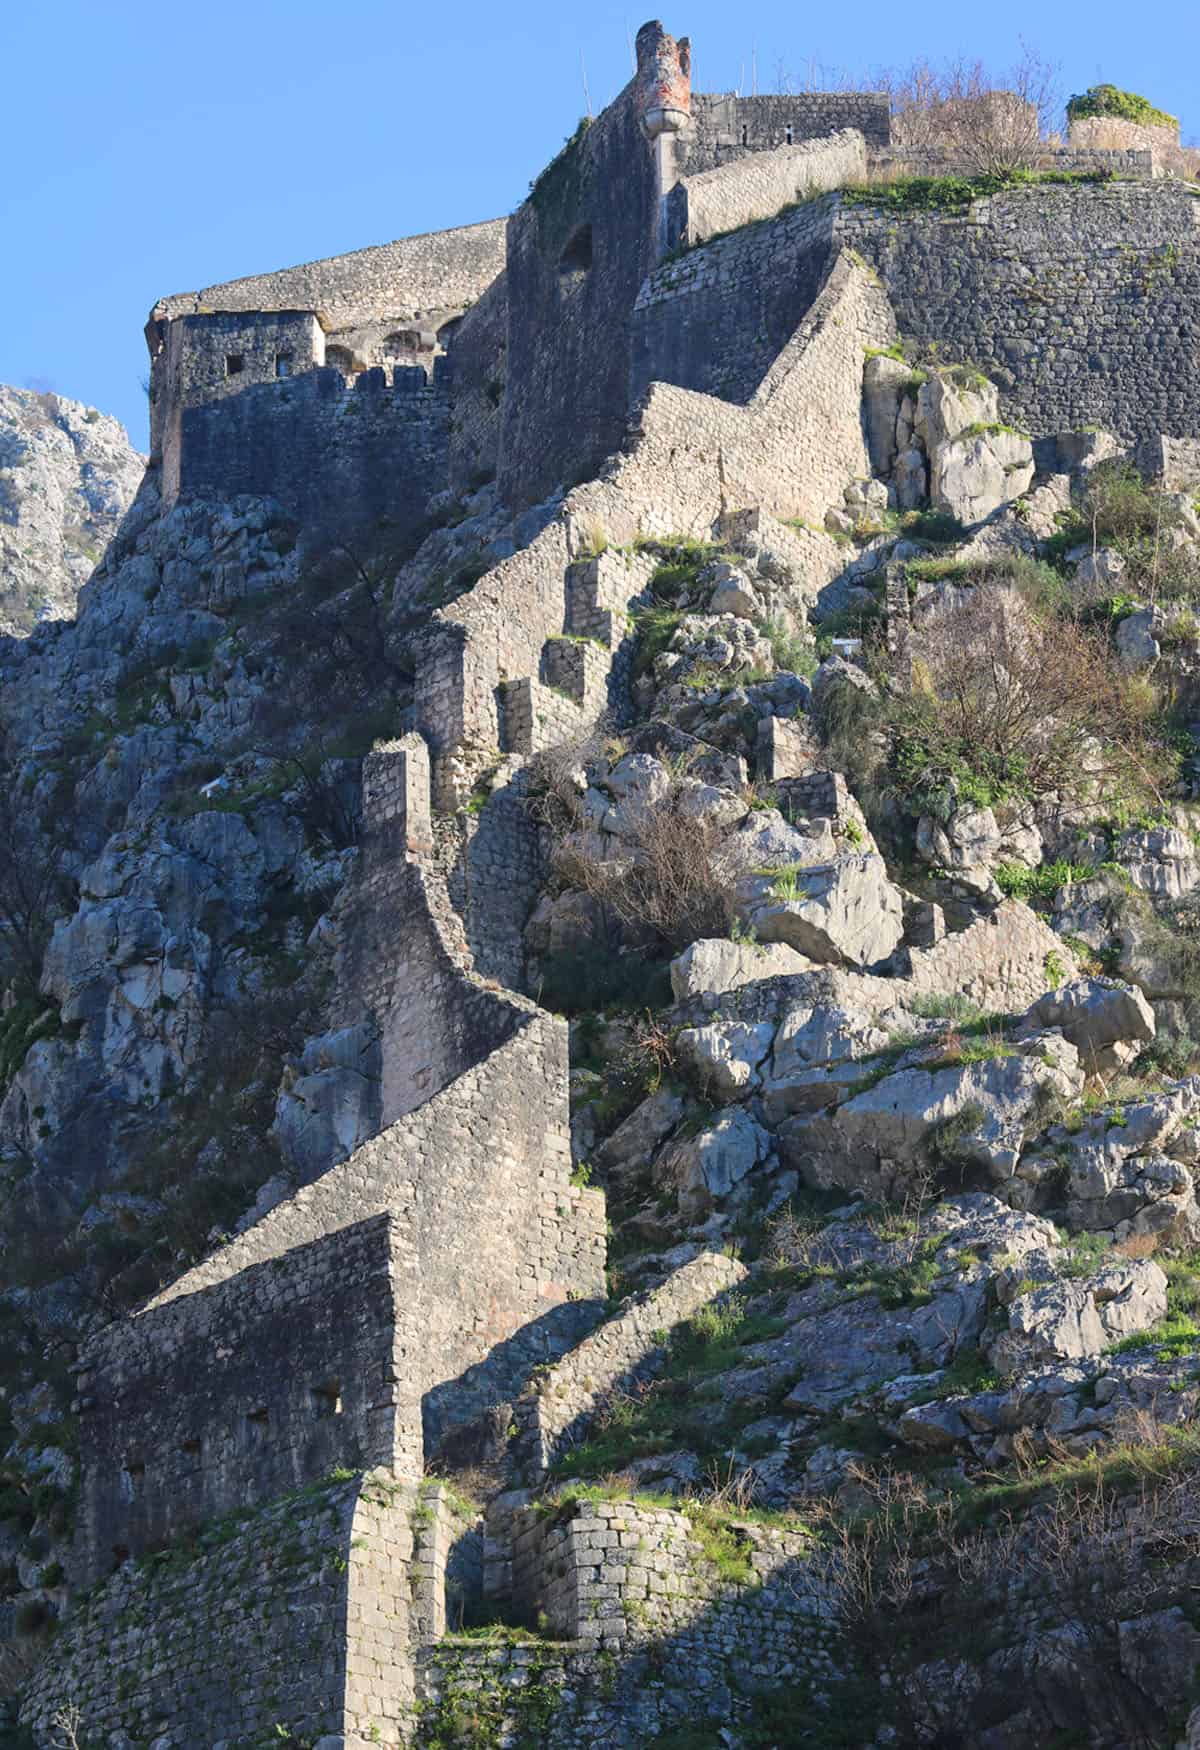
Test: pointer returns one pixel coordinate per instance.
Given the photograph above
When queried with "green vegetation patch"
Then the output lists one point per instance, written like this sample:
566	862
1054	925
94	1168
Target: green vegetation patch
1128	106
953	195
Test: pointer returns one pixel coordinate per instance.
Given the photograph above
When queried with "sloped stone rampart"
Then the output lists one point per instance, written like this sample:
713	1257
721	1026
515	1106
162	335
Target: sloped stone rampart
691	459
757	185
555	1413
433	271
291	1620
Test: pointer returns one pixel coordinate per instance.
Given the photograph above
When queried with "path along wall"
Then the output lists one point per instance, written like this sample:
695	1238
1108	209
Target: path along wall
689	459
285	1624
756	185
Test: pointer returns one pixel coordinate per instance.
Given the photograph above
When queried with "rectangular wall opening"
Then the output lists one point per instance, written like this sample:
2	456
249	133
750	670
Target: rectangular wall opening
283	364
326	1398
235	364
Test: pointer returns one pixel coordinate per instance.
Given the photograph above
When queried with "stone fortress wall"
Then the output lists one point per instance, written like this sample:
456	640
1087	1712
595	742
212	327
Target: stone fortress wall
294	1618
406	1290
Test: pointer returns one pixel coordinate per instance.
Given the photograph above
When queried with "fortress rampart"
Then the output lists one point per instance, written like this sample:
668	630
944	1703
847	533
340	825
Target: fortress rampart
447	1271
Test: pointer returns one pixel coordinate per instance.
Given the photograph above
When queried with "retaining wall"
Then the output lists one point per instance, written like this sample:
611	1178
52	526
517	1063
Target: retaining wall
1082	302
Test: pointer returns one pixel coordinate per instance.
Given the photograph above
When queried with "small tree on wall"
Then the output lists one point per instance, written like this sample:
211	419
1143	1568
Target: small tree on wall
991	123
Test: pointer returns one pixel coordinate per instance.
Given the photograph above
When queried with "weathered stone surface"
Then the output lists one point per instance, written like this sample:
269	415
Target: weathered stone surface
1108	1024
711	967
846	912
971	477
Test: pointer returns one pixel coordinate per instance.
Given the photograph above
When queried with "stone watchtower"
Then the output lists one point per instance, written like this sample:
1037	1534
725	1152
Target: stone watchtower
664	100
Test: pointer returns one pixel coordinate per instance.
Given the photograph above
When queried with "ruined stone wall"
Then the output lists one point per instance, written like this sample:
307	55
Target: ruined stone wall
664	1640
724	125
217	1401
360	460
495	1239
1114	133
406	960
408	277
690	459
1082	302
757	184
555	1413
292	1621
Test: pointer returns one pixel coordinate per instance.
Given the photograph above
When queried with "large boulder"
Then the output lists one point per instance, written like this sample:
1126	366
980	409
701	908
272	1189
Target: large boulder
710	1165
1072	1320
885	383
972	476
727	1058
845	912
708	969
1108	1023
974	1112
951	403
968	844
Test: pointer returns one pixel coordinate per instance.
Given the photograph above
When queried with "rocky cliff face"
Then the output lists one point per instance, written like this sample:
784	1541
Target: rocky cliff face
68	474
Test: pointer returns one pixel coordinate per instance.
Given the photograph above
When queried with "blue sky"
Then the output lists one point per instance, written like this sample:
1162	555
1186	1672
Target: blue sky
153	148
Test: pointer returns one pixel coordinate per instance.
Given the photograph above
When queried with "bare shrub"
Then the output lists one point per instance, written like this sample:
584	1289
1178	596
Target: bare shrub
663	876
1010	704
990	122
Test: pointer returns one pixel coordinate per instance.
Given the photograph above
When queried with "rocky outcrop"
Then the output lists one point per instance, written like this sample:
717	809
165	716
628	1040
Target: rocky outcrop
68	474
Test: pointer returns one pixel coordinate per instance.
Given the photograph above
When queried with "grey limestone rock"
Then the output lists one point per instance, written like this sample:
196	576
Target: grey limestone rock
974	475
68	474
711	967
1107	1023
846	912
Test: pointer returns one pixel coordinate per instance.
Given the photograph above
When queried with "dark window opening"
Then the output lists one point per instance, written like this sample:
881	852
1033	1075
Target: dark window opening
135	1475
745	135
191	1448
283	364
577	256
257	1422
235	363
327	1398
789	137
120	1555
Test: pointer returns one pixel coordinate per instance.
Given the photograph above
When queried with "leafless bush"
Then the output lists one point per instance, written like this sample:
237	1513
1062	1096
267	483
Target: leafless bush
1026	704
663	875
65	1722
991	123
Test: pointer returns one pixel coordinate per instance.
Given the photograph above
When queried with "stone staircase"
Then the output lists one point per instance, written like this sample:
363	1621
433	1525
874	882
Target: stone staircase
584	671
